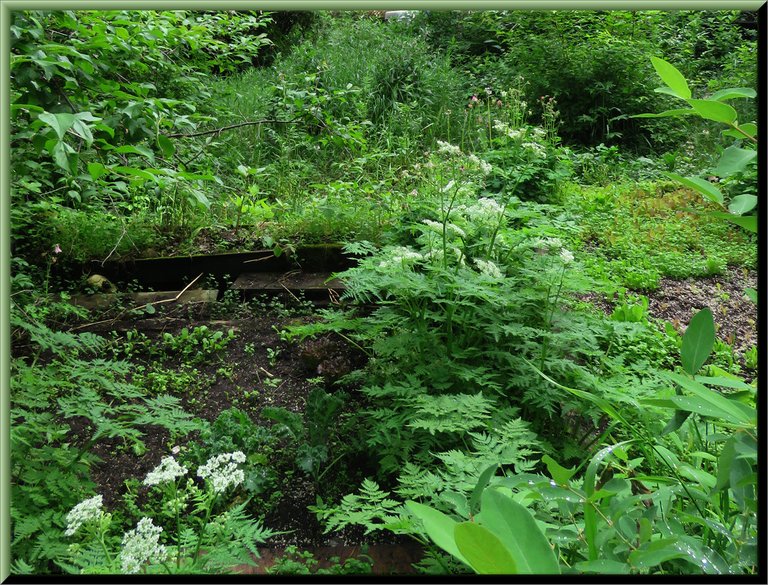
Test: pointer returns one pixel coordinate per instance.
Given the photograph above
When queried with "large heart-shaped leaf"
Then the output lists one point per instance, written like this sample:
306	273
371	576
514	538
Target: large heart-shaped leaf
742	204
60	122
698	341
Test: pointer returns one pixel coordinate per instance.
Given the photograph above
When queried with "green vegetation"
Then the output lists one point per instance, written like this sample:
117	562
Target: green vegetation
495	174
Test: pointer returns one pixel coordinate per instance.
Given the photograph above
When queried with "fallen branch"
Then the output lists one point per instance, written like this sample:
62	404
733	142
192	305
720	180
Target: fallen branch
144	306
232	127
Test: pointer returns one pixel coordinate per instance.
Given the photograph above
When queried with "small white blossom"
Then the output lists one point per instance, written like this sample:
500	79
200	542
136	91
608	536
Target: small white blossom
449	186
546	244
222	471
168	470
566	256
447	148
484	166
536	148
484	210
488	268
140	545
85	511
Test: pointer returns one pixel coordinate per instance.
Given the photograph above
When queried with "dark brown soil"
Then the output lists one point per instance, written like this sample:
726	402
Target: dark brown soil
676	301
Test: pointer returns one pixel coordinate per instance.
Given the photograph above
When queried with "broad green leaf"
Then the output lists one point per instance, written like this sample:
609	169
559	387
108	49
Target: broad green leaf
734	382
698	341
717	111
667	113
702	186
751	294
96	170
59	122
734	160
672	77
61	151
166	145
749	128
590	516
482	482
704	479
676	421
516	528
742	204
733	92
439	527
136	149
560	474
134	172
713	402
484	552
83	131
748	222
654	553
604	566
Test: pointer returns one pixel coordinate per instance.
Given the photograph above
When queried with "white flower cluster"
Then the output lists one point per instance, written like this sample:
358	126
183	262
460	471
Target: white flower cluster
222	471
447	148
507	130
85	511
168	470
483	211
488	268
536	148
140	545
450	228
546	244
484	166
566	256
401	256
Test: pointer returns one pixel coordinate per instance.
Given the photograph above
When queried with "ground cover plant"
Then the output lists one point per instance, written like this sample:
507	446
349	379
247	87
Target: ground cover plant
544	322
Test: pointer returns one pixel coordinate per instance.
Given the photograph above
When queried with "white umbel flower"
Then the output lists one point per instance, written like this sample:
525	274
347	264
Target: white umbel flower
222	471
168	470
566	256
140	545
448	148
488	268
85	511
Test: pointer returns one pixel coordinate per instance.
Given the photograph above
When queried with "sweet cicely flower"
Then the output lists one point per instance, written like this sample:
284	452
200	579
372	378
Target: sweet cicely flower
168	470
85	511
141	545
566	256
488	268
222	471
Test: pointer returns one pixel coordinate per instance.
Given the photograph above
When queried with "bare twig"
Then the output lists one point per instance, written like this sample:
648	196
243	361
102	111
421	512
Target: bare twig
123	312
232	127
259	259
120	239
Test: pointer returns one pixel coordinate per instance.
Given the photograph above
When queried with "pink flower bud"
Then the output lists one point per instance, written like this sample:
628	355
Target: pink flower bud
56	249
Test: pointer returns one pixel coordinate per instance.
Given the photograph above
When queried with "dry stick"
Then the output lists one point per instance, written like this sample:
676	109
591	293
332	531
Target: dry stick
259	259
173	300
120	239
232	127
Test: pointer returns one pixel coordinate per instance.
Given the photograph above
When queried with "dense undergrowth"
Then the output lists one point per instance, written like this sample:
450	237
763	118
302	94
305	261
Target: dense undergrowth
489	170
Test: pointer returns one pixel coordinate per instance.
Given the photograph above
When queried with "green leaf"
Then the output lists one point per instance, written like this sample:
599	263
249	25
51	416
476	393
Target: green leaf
698	341
656	552
61	151
439	527
137	149
667	113
748	222
676	421
751	294
712	403
734	160
134	172
702	186
604	566
717	111
672	77
560	474
749	128
482	482
484	552
516	528
166	145
742	204
733	92
59	122
96	170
